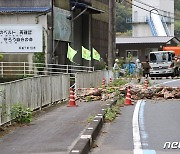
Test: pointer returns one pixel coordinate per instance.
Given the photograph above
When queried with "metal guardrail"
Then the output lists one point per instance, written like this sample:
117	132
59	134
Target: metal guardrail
35	69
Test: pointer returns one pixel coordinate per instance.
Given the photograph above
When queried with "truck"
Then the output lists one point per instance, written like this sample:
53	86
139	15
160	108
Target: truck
176	49
164	63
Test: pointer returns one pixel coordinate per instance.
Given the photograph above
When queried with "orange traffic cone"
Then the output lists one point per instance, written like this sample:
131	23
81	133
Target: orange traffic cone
110	80
128	97
72	102
103	83
146	83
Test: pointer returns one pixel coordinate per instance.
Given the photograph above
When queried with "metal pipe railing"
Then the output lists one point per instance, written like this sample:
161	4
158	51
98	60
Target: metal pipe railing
25	68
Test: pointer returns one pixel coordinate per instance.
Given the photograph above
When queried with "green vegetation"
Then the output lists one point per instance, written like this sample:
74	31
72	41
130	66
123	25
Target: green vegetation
111	112
119	82
90	118
101	65
21	114
110	90
3	108
120	101
1	56
39	57
123	11
177	19
88	98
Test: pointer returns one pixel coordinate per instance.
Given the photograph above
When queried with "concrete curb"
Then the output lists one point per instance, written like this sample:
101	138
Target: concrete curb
86	140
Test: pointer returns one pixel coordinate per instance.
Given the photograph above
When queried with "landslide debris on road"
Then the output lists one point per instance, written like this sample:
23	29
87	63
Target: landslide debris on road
137	92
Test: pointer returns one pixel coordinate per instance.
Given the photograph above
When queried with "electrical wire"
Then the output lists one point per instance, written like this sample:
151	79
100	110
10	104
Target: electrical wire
119	1
153	7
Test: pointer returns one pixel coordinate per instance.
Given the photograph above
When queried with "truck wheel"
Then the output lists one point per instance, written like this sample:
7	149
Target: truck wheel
176	72
173	74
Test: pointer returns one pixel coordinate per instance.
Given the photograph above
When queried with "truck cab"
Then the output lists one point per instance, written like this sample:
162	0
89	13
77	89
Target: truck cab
162	63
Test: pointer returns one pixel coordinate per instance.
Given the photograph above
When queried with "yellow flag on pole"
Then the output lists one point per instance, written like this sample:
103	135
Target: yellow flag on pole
96	55
71	53
86	54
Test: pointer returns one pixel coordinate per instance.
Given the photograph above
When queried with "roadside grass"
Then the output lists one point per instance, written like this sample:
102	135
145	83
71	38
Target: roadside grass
88	98
90	118
21	114
118	82
112	112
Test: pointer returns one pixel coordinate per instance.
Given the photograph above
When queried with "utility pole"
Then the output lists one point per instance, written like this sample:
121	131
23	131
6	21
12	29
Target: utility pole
52	18
50	50
111	34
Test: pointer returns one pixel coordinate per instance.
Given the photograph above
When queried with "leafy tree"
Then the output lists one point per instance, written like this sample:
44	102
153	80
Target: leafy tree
177	5
177	26
123	12
177	16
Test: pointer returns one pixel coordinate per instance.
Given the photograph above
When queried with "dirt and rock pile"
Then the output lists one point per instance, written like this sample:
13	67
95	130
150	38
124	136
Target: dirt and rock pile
137	92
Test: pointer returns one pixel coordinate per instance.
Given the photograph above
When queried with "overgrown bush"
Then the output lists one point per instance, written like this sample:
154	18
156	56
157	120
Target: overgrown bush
110	90
111	113
119	82
21	113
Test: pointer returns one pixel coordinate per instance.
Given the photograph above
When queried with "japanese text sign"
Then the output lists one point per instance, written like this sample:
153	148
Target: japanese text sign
21	38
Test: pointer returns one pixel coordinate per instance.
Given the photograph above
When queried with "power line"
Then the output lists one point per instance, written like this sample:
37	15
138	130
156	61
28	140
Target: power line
153	7
119	1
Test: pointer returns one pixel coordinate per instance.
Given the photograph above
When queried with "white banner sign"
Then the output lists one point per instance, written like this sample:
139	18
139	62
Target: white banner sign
21	38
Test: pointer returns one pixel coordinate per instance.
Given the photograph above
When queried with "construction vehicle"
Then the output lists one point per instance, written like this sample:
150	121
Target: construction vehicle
176	49
164	63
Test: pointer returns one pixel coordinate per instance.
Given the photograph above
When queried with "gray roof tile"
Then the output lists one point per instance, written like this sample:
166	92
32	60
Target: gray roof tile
135	40
24	9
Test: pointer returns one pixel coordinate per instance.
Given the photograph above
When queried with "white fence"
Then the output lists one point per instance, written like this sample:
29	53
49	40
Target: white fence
33	69
33	92
92	79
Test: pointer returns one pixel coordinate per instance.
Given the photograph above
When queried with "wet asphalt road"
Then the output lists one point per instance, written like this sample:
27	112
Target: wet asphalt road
159	122
54	132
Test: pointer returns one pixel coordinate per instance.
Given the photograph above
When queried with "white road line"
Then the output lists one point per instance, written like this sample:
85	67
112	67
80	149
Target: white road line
164	82
144	135
138	119
136	132
70	148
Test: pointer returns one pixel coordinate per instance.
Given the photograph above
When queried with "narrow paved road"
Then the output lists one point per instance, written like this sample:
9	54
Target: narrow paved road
55	132
143	128
117	137
160	123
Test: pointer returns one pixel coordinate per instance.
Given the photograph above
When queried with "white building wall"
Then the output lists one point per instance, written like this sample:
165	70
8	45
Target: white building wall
23	19
139	27
141	30
168	5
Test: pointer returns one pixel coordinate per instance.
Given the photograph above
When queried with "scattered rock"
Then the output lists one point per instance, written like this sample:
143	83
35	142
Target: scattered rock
137	92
